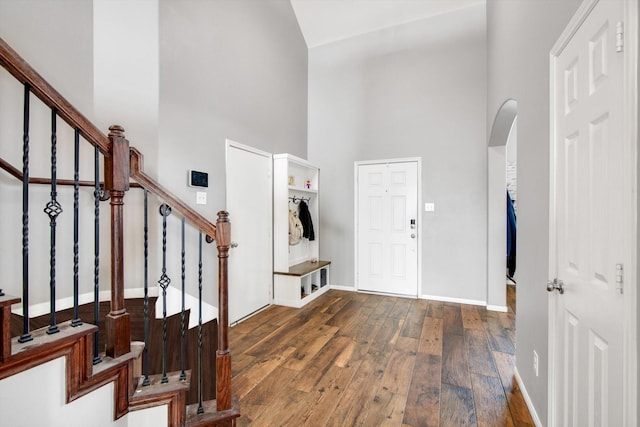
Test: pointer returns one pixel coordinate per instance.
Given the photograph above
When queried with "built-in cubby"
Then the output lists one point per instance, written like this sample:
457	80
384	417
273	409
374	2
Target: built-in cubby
301	283
299	276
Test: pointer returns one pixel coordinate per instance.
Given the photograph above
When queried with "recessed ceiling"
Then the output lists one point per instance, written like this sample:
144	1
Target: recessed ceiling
326	21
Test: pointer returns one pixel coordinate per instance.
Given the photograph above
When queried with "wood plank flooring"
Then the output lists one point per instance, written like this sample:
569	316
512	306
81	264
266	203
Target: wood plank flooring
350	359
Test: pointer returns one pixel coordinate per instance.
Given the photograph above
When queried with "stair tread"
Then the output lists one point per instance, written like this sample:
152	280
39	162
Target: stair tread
211	416
157	387
108	362
41	338
8	300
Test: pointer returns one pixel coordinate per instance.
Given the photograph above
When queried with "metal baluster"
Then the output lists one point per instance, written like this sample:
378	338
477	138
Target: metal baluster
26	335
183	374
200	407
53	209
164	283
96	255
146	381
76	218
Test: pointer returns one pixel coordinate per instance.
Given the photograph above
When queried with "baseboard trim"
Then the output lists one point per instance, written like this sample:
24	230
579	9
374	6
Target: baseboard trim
500	308
455	300
527	399
209	311
343	288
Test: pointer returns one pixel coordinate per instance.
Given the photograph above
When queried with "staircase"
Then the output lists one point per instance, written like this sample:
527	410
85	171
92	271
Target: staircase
120	362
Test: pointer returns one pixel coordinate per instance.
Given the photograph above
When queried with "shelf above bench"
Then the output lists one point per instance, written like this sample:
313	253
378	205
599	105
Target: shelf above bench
304	268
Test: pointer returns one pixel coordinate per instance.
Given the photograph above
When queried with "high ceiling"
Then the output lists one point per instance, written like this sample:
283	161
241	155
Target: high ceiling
326	21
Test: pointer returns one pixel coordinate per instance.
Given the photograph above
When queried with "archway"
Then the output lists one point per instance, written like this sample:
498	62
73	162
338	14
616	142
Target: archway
496	205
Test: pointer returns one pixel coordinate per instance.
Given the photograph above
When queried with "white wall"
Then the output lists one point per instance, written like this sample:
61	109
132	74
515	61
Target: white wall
126	76
246	79
228	69
56	39
102	57
415	90
520	36
44	387
497	228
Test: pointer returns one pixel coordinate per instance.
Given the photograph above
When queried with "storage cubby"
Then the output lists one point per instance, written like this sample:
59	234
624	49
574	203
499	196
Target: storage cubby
302	283
298	276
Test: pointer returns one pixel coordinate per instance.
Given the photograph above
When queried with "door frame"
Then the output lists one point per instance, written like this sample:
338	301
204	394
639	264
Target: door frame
501	132
630	141
356	165
237	145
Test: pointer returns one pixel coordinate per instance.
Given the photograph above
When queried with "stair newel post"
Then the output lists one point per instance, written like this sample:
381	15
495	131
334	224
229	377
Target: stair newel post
116	177
223	355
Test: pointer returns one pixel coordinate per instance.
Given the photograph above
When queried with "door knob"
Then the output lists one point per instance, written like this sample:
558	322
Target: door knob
234	244
413	236
555	285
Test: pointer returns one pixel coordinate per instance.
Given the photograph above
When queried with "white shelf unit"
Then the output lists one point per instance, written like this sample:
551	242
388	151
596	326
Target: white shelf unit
296	279
301	284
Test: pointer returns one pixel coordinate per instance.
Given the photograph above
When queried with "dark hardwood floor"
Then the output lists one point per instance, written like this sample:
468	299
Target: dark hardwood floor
350	359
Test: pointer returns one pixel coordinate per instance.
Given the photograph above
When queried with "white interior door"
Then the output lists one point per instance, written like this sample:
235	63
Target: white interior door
249	202
591	191
387	227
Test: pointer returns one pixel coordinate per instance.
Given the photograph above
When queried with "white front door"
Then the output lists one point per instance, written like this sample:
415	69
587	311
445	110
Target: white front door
387	227
249	202
591	189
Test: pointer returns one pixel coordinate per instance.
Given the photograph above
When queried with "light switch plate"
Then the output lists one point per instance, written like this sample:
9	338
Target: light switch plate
429	207
201	198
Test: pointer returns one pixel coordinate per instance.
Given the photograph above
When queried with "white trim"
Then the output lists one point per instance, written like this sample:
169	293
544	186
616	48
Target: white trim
573	26
455	300
231	143
385	161
630	138
43	308
343	288
387	294
418	161
500	308
295	159
552	267
209	311
527	398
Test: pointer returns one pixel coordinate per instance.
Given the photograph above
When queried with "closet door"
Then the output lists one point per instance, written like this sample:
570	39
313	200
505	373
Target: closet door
249	202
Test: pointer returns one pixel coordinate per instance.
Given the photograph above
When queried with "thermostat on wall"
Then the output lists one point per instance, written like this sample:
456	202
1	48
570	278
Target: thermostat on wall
198	179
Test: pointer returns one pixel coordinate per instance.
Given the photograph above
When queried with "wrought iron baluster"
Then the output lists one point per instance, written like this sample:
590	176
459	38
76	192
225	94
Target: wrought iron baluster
53	210
76	218
26	335
164	284
146	380
183	374
96	254
200	407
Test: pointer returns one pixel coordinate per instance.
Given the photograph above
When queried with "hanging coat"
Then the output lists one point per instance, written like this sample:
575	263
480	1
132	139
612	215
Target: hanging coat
511	237
295	228
305	219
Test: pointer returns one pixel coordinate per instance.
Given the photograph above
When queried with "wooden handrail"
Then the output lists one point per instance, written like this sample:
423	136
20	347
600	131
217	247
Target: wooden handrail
123	163
193	217
23	72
